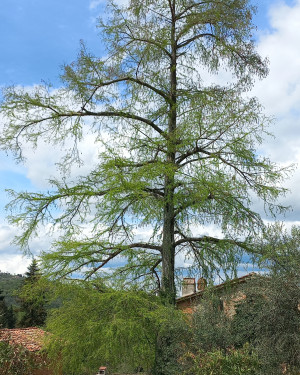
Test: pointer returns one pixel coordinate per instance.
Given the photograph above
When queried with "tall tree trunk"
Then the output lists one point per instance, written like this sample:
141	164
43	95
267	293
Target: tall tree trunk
168	247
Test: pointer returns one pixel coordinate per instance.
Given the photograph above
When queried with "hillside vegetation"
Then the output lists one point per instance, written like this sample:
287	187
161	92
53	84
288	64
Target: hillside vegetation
9	284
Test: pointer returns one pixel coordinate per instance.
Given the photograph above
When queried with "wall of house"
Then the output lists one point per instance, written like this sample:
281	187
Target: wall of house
187	306
228	302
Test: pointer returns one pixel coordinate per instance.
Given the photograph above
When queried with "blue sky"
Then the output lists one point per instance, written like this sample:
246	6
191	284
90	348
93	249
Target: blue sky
38	36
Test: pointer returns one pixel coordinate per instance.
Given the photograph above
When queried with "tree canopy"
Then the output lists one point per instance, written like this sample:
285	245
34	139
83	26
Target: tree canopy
176	145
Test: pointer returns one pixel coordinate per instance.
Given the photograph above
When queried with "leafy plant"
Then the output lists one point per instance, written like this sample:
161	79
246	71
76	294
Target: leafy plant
269	318
230	362
32	298
16	360
115	328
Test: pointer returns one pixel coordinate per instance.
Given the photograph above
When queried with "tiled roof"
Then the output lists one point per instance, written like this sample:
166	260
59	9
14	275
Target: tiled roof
31	338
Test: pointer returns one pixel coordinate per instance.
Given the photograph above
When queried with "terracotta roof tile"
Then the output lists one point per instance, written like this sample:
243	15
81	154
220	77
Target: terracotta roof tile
31	338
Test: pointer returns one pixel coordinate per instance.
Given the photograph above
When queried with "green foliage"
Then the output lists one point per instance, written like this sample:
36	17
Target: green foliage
281	250
230	362
114	329
33	272
7	314
3	311
270	319
15	360
9	284
211	327
32	299
174	149
11	317
173	339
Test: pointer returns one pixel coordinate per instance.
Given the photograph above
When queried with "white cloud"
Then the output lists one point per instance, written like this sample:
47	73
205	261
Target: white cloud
7	234
16	264
11	259
95	3
280	92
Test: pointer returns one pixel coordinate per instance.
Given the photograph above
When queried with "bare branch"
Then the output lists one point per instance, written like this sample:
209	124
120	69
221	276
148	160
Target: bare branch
190	40
212	240
121	114
136	80
141	245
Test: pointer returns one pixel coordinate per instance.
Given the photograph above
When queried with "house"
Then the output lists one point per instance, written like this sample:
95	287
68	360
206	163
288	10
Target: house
230	293
30	342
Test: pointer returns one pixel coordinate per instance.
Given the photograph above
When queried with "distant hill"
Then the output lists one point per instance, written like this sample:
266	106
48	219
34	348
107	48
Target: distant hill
9	284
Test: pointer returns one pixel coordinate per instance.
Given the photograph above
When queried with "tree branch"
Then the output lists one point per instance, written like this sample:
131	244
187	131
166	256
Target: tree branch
141	245
188	41
122	115
136	80
212	240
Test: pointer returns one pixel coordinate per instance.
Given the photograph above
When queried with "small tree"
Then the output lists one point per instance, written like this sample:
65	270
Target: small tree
233	362
269	319
267	322
32	299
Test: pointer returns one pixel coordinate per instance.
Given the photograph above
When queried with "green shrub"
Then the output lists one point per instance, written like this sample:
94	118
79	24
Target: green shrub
219	362
173	340
269	318
211	327
118	329
16	360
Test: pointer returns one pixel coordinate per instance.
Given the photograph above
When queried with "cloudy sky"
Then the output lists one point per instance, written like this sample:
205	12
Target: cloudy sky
37	37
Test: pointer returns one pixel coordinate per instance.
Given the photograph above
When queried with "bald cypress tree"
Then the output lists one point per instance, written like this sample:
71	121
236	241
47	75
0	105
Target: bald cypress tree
177	145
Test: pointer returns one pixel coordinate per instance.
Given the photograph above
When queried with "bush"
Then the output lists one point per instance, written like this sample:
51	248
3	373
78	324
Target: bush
173	340
270	320
211	327
16	360
230	362
118	329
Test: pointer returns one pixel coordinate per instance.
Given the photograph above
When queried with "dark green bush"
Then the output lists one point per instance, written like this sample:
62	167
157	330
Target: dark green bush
270	320
267	321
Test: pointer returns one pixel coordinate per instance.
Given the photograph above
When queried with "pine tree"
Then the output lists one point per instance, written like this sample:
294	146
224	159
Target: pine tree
33	272
32	299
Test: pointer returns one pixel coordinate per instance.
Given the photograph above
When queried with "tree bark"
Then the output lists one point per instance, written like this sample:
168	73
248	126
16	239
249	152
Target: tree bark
168	244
